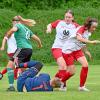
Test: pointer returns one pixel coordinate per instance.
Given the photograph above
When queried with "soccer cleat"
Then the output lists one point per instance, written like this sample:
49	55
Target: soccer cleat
1	75
63	87
83	88
11	88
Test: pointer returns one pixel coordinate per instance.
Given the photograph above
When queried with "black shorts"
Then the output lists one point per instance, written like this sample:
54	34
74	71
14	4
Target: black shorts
23	55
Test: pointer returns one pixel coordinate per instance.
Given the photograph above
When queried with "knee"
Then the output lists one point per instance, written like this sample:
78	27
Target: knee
85	65
73	71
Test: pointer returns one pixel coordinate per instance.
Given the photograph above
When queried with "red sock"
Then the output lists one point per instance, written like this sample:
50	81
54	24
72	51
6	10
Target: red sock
15	73
66	76
4	71
83	76
60	73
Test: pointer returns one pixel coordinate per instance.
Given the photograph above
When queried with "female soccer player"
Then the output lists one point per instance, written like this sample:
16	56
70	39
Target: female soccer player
22	35
63	29
11	48
72	50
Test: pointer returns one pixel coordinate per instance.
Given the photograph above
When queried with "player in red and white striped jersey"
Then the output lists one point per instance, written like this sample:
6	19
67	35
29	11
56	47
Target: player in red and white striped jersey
72	50
63	28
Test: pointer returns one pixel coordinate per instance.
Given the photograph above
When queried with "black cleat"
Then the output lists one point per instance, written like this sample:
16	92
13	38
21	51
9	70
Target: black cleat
1	75
11	88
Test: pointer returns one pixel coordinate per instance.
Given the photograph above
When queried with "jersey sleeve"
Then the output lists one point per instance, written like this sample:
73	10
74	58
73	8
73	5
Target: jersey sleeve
81	30
55	23
76	24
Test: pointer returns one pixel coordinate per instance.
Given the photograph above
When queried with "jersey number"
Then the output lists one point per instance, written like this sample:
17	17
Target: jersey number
27	34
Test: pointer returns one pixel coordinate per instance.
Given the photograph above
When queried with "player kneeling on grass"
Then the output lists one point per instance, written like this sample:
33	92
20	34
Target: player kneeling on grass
30	82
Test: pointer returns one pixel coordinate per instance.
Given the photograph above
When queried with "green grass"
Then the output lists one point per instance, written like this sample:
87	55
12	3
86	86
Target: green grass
93	83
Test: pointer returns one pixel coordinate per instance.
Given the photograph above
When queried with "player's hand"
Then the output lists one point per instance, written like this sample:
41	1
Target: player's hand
90	57
95	41
2	48
40	46
16	65
48	31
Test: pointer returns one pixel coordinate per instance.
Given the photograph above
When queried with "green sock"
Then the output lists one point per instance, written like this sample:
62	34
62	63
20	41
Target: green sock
10	72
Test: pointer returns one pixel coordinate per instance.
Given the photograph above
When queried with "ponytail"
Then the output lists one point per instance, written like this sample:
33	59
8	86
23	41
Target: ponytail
89	21
28	22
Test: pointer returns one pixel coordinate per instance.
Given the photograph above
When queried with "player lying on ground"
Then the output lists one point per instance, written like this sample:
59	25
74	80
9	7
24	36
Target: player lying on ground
30	82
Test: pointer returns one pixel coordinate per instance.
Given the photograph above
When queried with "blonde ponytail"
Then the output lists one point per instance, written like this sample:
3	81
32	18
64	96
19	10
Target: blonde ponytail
28	22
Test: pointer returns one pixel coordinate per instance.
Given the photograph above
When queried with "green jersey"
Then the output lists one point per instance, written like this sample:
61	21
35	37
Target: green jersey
22	36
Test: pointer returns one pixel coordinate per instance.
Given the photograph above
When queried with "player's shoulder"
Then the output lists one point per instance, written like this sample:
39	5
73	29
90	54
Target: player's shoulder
55	23
81	29
75	24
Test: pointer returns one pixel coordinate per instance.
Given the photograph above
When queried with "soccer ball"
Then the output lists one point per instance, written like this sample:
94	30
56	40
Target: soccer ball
1	76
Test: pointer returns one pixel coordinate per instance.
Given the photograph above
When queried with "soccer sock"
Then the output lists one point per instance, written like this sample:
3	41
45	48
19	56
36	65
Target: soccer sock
60	73
57	74
4	71
83	76
15	73
10	76
27	64
66	76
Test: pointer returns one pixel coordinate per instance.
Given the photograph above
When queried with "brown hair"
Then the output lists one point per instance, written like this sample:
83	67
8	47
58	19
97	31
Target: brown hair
69	11
89	21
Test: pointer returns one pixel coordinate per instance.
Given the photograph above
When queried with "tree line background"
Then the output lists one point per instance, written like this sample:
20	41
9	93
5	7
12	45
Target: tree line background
22	5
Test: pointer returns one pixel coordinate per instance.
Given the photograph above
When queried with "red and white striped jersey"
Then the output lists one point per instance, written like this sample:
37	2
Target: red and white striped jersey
73	44
64	31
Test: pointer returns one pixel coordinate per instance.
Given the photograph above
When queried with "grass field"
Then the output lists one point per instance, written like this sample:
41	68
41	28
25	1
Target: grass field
93	83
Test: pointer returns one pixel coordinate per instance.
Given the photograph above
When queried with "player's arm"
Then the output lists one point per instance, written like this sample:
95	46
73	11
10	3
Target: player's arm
8	34
11	31
52	26
81	39
37	39
49	28
3	43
